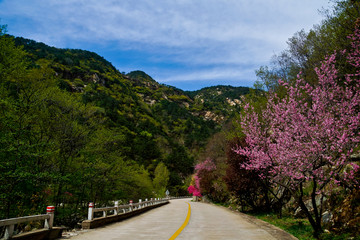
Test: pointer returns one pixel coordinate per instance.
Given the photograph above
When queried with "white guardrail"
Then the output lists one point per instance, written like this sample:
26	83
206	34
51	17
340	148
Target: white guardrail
11	222
119	209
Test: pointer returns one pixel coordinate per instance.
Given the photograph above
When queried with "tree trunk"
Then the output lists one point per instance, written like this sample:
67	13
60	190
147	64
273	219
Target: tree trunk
8	204
314	224
268	203
316	210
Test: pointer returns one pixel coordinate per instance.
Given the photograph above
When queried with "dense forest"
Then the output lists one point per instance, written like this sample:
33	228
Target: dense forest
74	129
294	148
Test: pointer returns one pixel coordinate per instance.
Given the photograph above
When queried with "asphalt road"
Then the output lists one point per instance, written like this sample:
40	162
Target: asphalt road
206	222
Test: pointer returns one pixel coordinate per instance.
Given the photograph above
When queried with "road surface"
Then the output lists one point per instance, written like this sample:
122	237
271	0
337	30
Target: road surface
205	221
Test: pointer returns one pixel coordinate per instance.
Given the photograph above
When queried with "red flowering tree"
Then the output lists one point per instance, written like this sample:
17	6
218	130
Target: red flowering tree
246	185
194	191
205	175
202	179
305	139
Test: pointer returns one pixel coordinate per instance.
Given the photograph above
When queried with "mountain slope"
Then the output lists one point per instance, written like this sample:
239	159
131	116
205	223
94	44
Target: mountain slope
218	103
160	123
151	117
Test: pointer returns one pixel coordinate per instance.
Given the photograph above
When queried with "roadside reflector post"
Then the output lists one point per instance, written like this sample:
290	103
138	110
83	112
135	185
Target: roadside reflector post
131	205
116	211
9	231
50	210
91	211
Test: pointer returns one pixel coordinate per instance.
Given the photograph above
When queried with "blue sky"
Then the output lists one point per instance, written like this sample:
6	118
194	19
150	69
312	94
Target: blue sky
189	44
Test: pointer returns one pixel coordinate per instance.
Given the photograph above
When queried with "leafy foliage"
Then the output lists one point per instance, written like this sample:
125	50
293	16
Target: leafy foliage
245	185
306	138
161	179
306	50
223	102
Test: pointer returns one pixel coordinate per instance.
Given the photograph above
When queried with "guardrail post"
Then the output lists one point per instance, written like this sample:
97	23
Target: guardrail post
146	202
9	231
50	210
91	211
116	211
130	203
140	203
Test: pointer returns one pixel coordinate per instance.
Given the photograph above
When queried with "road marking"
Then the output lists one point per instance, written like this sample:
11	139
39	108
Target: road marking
182	226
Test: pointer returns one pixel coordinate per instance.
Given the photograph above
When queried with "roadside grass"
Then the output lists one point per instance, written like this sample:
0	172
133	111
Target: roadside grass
300	228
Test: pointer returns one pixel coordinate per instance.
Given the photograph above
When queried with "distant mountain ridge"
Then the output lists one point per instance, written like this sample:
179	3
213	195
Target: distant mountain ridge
216	103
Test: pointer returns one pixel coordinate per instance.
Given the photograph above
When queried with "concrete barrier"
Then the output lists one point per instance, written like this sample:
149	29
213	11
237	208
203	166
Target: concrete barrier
49	232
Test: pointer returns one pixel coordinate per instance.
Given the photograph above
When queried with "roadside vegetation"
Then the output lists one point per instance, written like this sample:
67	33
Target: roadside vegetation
292	154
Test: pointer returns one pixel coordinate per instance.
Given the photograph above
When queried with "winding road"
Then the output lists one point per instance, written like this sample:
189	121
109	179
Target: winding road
183	219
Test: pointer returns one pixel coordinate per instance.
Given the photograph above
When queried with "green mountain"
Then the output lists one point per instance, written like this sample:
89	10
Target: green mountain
139	103
218	103
74	128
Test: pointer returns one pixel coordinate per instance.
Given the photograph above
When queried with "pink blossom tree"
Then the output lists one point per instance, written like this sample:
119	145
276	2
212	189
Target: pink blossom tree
207	165
306	138
194	191
201	177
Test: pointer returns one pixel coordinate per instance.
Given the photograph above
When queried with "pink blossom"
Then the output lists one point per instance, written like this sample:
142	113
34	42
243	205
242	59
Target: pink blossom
310	134
194	191
207	165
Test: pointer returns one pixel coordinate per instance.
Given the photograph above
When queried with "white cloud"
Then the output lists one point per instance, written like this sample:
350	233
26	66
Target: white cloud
216	73
193	33
170	23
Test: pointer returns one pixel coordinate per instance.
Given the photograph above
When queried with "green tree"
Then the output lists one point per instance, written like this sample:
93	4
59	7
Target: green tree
307	49
161	179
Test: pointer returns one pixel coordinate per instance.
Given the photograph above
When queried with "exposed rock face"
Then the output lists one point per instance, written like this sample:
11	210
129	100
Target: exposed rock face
233	102
347	215
96	79
212	116
209	115
299	212
237	101
327	217
230	102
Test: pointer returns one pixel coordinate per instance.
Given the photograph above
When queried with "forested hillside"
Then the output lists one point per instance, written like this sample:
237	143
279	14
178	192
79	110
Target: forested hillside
218	103
74	129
